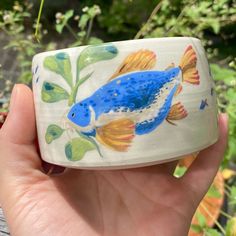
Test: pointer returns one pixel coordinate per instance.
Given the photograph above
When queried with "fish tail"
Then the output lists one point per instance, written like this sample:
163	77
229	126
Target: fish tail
117	135
188	66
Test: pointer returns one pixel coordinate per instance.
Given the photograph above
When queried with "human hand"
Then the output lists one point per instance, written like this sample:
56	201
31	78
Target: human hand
141	201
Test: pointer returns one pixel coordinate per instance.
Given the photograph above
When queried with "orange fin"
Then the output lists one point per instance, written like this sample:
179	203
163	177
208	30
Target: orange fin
172	65
117	134
178	90
140	60
177	112
188	66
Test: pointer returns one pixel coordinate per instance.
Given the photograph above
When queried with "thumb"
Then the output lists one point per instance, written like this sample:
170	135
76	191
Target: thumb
18	155
19	127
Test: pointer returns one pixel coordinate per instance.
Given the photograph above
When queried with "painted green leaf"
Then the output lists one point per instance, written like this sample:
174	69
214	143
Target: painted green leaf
93	54
60	64
77	147
92	141
53	93
213	192
53	132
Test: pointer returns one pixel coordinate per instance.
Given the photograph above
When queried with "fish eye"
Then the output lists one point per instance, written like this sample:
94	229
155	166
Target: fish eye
73	114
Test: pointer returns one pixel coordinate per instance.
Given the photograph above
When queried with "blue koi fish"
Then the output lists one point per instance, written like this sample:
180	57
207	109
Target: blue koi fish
135	103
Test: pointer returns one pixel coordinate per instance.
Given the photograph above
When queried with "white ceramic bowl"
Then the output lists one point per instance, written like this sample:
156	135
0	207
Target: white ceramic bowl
124	104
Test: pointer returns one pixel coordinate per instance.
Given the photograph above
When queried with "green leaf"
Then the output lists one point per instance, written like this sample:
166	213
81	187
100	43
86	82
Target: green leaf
69	14
179	171
83	21
201	219
216	27
196	228
94	41
77	147
232	198
213	192
53	132
231	227
53	93
93	54
60	26
212	232
60	64
225	74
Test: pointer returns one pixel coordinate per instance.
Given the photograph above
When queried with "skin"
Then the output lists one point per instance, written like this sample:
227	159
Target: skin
141	201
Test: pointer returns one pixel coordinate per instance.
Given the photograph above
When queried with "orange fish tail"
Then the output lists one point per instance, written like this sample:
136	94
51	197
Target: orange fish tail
188	66
117	134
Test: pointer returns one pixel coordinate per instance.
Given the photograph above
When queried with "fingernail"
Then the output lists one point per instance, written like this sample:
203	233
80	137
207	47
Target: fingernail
13	97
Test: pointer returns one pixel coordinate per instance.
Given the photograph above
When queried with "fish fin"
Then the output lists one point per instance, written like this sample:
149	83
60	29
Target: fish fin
178	90
177	112
188	66
172	65
117	134
140	60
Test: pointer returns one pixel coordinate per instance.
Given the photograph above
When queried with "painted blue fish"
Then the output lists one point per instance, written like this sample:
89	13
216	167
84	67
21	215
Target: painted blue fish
135	103
203	104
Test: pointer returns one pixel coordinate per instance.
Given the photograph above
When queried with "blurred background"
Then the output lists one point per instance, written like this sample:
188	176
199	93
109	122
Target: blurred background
73	23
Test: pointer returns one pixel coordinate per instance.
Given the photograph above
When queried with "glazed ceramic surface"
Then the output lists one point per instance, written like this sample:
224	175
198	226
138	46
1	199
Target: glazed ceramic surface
124	104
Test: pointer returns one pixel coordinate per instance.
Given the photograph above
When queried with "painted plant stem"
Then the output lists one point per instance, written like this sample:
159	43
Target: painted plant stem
74	91
91	140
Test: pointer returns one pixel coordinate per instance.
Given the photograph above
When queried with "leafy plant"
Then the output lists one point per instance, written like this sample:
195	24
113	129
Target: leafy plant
201	19
226	89
60	64
121	19
20	39
84	23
